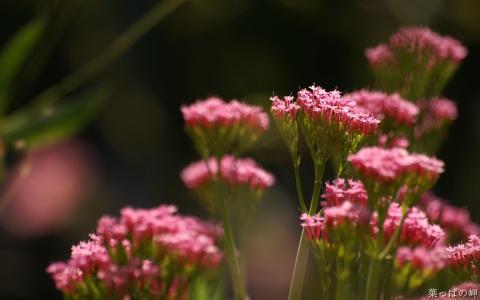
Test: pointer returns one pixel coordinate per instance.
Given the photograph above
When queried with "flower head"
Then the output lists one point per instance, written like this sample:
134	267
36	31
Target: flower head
455	220
416	229
285	115
379	55
422	39
314	226
421	258
341	190
243	176
416	62
219	127
391	106
335	111
389	169
127	260
466	255
347	212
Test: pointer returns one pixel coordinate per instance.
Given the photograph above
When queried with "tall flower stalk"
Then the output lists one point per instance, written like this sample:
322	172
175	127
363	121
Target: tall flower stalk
332	126
219	129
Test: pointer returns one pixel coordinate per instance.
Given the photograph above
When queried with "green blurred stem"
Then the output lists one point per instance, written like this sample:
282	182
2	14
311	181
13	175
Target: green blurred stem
395	235
298	181
373	279
118	47
301	260
238	281
341	292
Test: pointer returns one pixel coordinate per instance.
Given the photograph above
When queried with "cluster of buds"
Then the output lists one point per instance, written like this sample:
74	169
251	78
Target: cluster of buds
243	178
333	126
218	127
437	115
416	229
386	106
144	254
456	221
465	257
385	171
416	62
415	266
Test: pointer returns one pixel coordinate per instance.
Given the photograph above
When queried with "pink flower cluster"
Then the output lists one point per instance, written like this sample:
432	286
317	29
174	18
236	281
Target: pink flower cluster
128	254
419	39
437	113
389	165
331	108
386	105
347	212
466	255
455	220
333	216
416	229
314	226
379	55
284	108
215	112
443	109
234	171
421	258
341	190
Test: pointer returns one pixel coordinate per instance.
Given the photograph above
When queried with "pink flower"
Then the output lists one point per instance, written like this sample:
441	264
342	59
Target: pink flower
314	226
379	55
347	212
453	219
421	258
422	39
286	108
47	187
334	110
466	254
391	165
341	190
131	260
416	229
234	171
438	113
386	105
215	112
443	109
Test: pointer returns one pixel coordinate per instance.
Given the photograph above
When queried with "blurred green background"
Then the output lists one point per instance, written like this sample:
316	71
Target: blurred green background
245	49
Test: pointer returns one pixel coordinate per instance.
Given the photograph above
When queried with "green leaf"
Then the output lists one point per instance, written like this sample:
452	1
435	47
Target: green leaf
35	128
14	54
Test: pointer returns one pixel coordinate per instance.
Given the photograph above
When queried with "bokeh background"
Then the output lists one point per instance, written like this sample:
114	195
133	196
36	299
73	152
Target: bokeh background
247	49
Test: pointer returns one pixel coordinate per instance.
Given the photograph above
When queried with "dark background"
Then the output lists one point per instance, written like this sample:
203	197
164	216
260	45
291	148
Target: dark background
246	49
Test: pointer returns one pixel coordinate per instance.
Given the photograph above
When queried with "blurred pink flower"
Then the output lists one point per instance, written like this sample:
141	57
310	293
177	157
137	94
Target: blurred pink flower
215	112
421	39
234	171
341	190
425	259
390	165
386	105
47	187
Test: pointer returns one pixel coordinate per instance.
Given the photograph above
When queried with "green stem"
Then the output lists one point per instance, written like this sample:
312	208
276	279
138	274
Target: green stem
373	279
238	280
232	260
296	168
375	263
301	260
118	47
395	235
341	292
